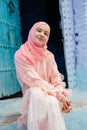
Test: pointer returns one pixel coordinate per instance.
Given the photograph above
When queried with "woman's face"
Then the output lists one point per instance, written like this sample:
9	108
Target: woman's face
41	35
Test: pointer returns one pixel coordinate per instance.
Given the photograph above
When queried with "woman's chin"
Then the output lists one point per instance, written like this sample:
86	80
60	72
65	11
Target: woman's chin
40	44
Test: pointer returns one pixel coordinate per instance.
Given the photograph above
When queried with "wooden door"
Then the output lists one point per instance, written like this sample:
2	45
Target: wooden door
10	40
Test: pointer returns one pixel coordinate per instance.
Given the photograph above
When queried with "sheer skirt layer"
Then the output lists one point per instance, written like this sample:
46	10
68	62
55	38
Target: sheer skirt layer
43	112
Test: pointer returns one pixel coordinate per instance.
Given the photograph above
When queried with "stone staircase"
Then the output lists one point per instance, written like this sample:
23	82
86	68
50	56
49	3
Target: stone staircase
75	120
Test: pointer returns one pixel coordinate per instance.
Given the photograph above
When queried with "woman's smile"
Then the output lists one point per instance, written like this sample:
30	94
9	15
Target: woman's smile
41	38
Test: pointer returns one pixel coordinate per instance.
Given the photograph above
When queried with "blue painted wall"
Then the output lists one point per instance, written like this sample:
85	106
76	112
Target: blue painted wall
10	40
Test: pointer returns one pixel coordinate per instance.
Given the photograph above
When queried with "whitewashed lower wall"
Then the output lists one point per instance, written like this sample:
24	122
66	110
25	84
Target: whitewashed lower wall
80	17
66	11
74	26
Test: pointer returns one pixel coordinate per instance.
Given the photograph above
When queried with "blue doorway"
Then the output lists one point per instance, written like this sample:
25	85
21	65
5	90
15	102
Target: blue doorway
48	11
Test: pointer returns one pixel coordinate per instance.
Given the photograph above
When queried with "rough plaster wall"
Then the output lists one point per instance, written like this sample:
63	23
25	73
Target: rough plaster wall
80	22
69	42
74	25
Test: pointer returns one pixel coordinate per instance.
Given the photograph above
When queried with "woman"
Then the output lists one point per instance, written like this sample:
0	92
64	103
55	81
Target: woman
44	93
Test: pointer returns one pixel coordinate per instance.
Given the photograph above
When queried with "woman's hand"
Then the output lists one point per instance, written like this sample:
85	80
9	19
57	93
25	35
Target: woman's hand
51	92
66	105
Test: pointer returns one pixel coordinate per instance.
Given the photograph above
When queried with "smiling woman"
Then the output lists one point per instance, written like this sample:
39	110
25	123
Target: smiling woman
41	82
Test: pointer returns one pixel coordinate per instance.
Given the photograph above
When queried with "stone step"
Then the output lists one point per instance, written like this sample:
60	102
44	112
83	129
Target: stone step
75	120
9	113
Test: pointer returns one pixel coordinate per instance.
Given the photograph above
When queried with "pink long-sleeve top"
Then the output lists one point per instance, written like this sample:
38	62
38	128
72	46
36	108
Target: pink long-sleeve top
43	74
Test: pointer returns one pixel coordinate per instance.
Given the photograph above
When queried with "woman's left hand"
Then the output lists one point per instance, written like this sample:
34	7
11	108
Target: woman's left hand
66	105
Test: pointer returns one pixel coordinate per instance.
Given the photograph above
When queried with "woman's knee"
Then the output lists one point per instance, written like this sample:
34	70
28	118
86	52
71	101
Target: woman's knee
53	101
37	93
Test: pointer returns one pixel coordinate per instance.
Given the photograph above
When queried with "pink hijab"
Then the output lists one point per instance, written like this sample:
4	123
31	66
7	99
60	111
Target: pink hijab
30	50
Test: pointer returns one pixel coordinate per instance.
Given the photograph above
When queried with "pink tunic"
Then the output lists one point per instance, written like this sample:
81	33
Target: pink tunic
40	79
43	74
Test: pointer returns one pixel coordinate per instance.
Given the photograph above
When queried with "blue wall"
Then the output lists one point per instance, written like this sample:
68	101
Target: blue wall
10	40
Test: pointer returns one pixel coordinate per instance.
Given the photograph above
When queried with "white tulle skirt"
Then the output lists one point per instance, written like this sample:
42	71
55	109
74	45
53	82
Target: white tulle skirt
43	113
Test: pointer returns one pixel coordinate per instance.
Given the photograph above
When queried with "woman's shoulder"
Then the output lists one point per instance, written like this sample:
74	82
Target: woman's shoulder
50	55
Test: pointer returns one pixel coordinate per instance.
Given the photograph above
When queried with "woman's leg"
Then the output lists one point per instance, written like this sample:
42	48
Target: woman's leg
55	117
37	113
44	112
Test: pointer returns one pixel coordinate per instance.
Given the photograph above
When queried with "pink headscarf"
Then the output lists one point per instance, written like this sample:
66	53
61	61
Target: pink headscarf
30	50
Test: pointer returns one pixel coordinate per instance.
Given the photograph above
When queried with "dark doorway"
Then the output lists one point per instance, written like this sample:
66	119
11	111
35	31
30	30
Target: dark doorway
32	11
56	40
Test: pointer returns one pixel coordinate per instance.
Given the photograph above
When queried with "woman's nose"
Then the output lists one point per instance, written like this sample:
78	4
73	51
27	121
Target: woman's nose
42	33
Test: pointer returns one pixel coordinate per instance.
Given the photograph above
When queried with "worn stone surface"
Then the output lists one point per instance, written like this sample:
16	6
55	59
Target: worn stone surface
75	120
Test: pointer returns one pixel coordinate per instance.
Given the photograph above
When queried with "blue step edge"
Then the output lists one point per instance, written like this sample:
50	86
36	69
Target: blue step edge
75	120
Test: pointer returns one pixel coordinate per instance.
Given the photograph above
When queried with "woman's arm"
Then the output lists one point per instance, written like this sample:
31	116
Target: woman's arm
56	79
28	75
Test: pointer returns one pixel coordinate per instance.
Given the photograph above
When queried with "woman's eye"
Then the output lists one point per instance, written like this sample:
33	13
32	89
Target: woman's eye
46	34
39	30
